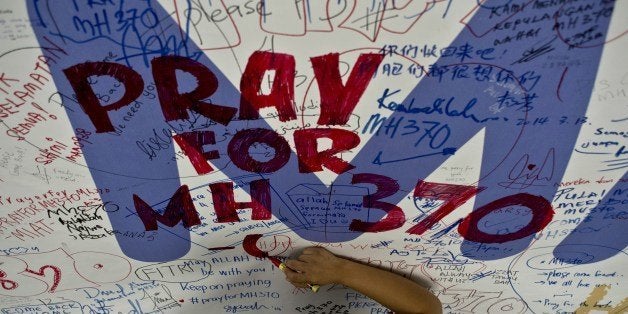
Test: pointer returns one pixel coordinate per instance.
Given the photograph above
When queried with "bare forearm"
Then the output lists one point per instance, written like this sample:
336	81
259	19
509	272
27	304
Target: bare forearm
391	290
319	266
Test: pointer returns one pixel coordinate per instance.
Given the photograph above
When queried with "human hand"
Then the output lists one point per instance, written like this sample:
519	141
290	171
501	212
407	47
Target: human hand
315	265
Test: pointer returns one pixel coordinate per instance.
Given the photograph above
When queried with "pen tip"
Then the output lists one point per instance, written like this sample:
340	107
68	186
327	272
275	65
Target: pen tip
314	287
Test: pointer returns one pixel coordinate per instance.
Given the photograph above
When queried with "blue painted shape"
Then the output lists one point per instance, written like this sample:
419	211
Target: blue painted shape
139	157
496	79
115	33
531	110
610	217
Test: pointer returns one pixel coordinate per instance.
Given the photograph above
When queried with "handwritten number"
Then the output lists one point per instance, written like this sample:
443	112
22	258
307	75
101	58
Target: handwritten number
7	284
412	126
453	196
41	272
385	187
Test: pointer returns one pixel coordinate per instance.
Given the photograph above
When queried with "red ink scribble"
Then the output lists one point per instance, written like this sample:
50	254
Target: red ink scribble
365	21
218	248
276	261
110	267
224	9
263	17
453	195
7	284
304	13
84	264
279	244
55	279
542	214
560	83
429	4
250	246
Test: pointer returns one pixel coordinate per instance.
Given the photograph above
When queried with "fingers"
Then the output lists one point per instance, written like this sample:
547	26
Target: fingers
309	250
300	285
296	273
294	277
313	250
296	265
308	258
314	265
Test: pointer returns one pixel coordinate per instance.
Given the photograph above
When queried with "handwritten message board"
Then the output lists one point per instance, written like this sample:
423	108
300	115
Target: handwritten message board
149	147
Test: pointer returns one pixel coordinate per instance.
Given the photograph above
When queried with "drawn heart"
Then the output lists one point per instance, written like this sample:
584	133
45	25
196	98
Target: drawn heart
55	279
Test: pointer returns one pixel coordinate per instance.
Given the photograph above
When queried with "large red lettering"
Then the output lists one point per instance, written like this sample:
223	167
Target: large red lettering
238	150
250	245
311	160
79	75
453	196
338	100
281	95
192	145
174	104
180	207
226	206
542	214
385	187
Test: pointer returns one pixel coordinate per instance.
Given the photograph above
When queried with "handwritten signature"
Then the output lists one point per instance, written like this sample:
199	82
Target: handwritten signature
525	174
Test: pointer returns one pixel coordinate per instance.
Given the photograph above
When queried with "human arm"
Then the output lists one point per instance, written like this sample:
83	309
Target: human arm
319	266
